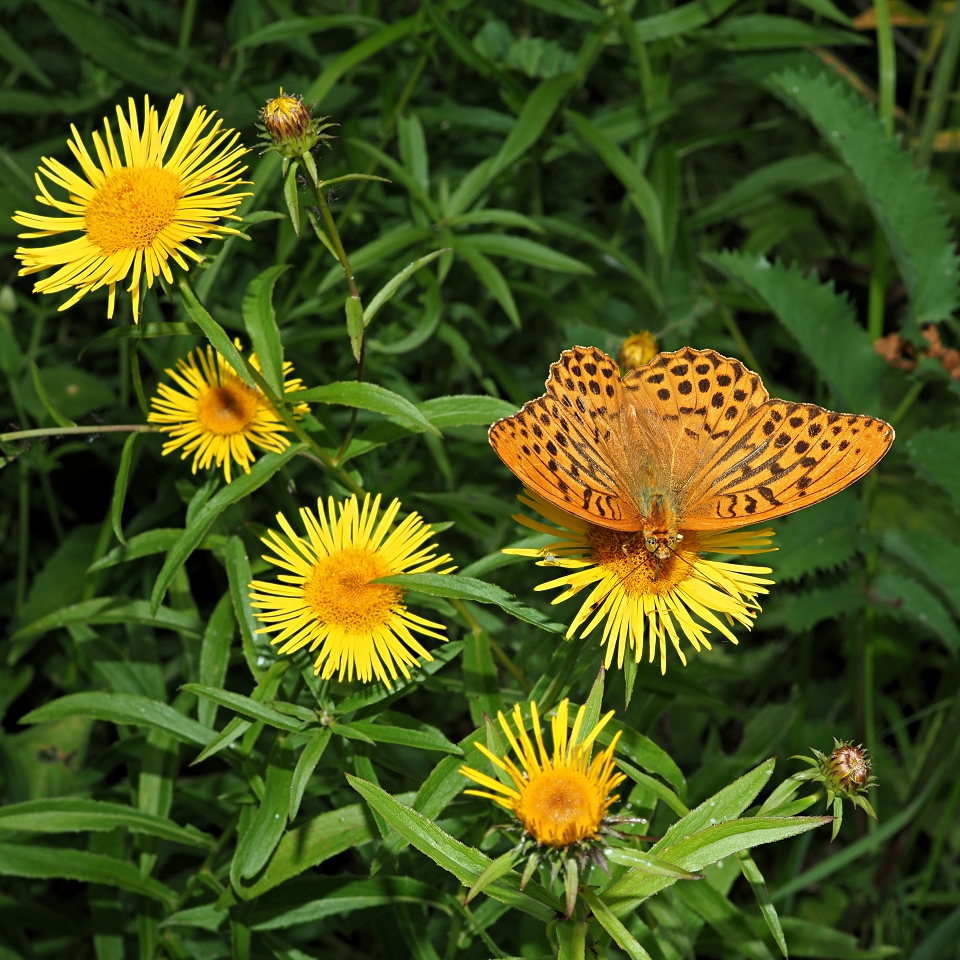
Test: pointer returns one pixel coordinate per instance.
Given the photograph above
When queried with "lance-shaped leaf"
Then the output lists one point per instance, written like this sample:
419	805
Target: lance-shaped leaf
370	396
261	323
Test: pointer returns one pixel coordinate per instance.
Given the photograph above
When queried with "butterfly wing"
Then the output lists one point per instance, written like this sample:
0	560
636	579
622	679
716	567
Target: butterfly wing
734	456
568	445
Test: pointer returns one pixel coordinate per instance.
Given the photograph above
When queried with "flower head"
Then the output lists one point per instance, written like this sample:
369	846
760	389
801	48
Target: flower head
638	349
289	127
136	213
561	799
328	600
637	594
845	775
216	416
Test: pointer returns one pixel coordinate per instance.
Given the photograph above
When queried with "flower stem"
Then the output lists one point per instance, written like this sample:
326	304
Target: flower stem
939	90
334	235
76	431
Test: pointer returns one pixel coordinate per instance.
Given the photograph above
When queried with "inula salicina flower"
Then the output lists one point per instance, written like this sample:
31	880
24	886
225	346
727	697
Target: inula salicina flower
326	599
216	416
136	212
640	598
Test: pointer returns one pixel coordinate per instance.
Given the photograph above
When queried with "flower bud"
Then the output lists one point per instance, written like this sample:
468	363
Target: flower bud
847	770
638	349
289	126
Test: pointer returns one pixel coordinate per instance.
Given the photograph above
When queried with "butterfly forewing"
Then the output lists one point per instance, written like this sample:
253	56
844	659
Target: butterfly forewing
568	446
785	457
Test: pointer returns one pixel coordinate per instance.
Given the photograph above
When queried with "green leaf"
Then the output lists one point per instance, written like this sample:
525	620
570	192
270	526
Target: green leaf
467	588
386	245
647	863
644	752
762	31
261	323
214	332
488	274
766	185
620	935
465	863
683	19
311	899
151	542
814	606
290	28
537	112
906	207
808	939
640	192
56	863
215	654
417	187
123	708
936	557
197	529
406	732
904	598
58	418
145	331
103	610
759	886
267	827
76	814
465	410
306	764
370	396
106	43
291	195
480	677
356	55
655	787
120	486
394	283
527	251
250	708
934	454
822	321
729	922
494	871
239	575
354	311
17	57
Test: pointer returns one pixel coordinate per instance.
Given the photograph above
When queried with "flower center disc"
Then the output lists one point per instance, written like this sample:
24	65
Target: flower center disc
131	207
560	806
625	555
227	409
339	592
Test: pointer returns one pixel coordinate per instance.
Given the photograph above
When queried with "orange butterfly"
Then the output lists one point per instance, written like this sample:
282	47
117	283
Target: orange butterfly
690	441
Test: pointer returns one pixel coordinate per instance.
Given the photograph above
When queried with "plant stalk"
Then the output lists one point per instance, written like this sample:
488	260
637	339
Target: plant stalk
939	90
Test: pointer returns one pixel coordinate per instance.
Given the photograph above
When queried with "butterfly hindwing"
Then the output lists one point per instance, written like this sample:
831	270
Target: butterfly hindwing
567	445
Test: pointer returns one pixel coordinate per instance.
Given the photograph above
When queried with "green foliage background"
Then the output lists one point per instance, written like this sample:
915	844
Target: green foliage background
715	172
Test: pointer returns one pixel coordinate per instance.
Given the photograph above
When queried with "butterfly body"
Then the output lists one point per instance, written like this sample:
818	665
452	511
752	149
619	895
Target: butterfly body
690	440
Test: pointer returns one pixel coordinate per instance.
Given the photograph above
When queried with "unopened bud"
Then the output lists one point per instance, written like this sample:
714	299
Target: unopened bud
290	128
638	349
847	769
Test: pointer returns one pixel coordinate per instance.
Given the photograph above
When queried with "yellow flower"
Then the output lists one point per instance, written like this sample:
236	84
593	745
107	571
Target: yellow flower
329	602
638	595
216	416
638	349
559	800
136	213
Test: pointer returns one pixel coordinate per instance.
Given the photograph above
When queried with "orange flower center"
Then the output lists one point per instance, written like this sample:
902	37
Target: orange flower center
228	409
625	555
131	207
560	806
340	594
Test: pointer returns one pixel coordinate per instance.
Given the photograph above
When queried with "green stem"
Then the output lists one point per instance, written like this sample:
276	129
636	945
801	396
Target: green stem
24	538
76	431
186	23
878	285
907	402
334	235
888	64
939	90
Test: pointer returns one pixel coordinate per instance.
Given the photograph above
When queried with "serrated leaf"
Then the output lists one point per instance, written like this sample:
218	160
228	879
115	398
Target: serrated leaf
814	606
934	454
906	207
904	598
822	321
937	558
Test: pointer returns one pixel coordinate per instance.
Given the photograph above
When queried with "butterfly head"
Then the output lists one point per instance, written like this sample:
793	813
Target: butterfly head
660	533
